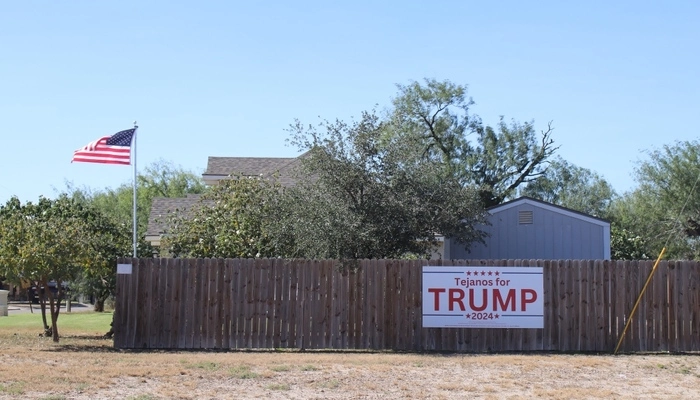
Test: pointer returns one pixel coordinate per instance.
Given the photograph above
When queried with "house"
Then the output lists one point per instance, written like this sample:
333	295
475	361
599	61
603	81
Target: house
526	228
218	168
161	208
284	169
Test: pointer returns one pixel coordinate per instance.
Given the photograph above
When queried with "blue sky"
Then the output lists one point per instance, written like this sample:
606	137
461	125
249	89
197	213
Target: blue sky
225	78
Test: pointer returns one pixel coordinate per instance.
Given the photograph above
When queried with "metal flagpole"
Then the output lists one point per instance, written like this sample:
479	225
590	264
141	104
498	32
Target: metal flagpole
133	152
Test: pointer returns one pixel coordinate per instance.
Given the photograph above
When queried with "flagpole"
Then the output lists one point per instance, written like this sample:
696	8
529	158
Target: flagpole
134	226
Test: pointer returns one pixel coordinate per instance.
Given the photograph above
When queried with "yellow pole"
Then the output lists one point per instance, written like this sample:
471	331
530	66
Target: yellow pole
636	304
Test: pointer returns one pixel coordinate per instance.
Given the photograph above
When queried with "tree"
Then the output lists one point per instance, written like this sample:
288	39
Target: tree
364	194
574	187
49	243
230	221
435	118
665	207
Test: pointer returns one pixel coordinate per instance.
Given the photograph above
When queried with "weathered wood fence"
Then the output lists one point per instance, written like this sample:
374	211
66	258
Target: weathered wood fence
306	304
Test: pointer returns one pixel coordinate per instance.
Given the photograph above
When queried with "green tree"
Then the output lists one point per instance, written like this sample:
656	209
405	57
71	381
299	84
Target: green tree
434	117
573	187
230	221
364	194
49	242
664	209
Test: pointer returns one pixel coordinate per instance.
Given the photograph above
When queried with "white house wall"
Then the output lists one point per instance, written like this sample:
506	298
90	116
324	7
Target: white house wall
554	234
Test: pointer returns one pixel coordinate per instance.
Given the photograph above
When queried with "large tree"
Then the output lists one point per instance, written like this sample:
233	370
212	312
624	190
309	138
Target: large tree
52	242
434	117
364	194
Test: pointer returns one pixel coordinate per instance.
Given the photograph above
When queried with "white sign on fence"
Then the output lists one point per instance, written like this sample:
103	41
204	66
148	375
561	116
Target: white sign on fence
124	269
483	297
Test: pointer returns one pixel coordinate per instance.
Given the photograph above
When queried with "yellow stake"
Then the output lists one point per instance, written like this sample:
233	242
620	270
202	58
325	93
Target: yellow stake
627	325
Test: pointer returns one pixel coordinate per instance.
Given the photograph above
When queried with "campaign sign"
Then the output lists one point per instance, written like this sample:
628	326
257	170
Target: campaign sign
483	297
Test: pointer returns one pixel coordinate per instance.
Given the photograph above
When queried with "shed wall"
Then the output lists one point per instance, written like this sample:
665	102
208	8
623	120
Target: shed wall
551	235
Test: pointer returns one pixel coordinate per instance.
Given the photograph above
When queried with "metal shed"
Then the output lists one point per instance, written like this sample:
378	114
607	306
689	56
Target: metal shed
526	228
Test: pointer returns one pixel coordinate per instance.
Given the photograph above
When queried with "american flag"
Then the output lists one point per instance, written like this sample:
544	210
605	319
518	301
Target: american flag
115	149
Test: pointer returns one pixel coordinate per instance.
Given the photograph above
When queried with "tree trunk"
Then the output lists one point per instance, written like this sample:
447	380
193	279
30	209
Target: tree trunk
55	306
99	305
42	305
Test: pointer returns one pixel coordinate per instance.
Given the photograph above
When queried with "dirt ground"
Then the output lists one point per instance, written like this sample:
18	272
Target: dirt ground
89	368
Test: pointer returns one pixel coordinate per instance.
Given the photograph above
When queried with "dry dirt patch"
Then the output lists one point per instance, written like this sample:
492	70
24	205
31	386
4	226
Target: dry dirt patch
88	368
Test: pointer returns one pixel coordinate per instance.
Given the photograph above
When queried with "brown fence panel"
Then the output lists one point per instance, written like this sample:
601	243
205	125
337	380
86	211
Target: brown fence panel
377	304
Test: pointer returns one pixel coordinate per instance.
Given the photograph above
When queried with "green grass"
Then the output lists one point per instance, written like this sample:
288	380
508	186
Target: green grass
68	323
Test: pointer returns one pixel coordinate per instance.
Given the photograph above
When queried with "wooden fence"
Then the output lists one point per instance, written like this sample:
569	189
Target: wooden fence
307	304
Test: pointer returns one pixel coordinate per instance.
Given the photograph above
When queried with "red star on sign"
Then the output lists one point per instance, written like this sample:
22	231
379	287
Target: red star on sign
467	316
497	273
483	273
469	273
490	273
497	316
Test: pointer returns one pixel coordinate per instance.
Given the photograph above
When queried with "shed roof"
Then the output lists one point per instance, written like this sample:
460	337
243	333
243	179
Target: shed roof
548	206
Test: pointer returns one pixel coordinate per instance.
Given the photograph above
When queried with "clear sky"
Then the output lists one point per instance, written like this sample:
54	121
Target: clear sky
225	78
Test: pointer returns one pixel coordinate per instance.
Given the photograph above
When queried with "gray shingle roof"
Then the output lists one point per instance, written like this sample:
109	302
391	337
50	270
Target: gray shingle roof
163	207
285	168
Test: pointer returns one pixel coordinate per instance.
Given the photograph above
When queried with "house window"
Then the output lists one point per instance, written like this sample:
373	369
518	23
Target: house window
524	217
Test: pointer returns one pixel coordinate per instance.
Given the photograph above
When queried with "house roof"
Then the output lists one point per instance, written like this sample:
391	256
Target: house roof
549	206
163	207
221	167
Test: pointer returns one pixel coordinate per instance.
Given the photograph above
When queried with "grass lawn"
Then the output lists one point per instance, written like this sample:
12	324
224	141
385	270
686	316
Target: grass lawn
82	323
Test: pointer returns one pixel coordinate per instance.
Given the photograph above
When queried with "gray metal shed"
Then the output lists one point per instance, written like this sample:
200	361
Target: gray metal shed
526	228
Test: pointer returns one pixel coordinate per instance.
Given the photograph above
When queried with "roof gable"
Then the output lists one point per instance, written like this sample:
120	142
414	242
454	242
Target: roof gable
550	207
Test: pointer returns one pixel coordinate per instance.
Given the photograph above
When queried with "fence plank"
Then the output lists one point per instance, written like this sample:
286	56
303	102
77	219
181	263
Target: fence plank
587	309
237	300
661	316
229	310
293	307
646	316
684	306
356	308
694	298
597	301
276	269
132	308
267	304
416	312
672	306
338	292
172	317
638	278
619	295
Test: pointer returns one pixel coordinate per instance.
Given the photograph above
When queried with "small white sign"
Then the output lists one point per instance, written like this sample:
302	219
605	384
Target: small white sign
124	269
483	297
